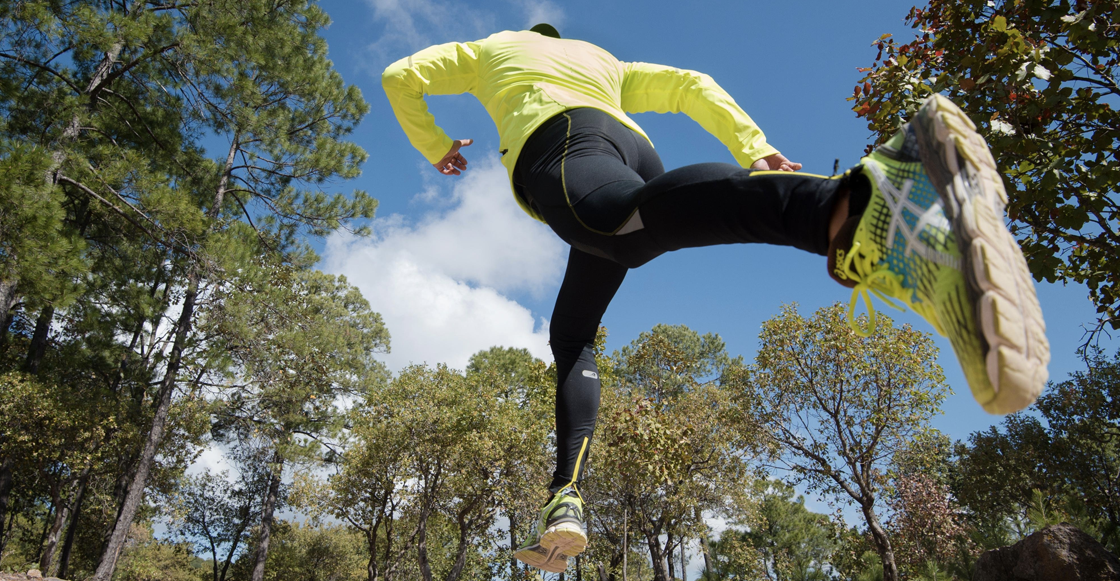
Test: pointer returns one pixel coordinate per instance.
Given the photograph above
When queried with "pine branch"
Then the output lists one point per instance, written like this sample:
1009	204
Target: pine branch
42	67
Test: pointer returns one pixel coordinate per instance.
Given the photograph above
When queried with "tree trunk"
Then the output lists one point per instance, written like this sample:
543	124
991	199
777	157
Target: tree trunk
71	531
38	346
463	521
422	548
8	300
684	563
670	570
512	545
266	517
125	473
111	553
371	564
8	530
657	556
46	530
707	554
52	539
882	543
6	483
232	550
625	543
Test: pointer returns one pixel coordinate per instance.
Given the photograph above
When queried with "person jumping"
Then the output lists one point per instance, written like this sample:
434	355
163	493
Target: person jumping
919	221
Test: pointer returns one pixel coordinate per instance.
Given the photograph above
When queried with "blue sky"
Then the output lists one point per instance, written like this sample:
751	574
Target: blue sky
455	267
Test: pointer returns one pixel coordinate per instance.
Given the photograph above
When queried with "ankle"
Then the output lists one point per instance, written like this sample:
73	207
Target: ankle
852	198
840	211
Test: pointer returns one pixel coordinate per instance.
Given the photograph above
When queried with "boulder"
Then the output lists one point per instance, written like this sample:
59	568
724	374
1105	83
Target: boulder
1056	553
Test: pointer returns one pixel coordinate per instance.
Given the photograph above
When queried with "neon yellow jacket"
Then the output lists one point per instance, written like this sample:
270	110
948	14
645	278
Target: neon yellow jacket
524	78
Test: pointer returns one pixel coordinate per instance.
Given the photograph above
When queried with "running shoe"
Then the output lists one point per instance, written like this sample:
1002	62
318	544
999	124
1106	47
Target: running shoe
933	237
537	556
560	533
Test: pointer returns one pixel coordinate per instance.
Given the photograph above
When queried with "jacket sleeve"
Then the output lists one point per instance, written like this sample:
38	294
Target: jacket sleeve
648	87
445	69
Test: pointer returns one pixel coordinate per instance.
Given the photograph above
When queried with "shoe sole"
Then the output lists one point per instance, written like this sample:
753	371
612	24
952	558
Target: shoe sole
547	559
1000	287
567	537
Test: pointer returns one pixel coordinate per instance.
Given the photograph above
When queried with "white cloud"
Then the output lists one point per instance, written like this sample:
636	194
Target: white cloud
410	25
537	11
438	283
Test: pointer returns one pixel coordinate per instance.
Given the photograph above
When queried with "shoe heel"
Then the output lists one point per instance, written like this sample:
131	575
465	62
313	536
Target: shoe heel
569	538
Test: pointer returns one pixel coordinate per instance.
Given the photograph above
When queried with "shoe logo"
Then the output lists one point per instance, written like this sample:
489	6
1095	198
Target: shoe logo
934	216
839	270
565	511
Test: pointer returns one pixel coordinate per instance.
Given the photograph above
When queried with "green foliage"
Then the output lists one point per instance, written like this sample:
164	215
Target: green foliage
298	340
148	559
291	343
998	469
667	449
735	558
1039	79
39	252
217	516
788	542
49	428
126	238
432	458
835	407
926	524
1061	466
309	553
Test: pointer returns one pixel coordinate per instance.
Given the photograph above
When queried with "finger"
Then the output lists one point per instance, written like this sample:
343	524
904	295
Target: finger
465	142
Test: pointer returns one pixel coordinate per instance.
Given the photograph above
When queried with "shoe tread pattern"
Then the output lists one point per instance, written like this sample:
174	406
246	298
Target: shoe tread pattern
1000	287
564	529
545	558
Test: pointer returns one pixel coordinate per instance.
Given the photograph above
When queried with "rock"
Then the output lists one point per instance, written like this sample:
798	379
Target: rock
32	575
1056	553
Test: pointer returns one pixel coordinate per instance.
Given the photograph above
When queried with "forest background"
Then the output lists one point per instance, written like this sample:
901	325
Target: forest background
175	173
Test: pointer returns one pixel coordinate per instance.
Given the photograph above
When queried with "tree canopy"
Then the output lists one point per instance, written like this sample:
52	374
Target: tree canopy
1040	80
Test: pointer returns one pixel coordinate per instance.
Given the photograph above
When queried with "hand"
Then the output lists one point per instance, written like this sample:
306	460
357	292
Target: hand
776	162
453	163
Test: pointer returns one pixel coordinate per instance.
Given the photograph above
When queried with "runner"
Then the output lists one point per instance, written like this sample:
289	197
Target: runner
919	222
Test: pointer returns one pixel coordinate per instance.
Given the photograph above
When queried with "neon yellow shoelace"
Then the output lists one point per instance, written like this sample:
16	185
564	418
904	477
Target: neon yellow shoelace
882	283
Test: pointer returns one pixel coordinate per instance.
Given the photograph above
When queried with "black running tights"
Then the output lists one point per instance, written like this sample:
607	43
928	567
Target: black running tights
602	188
